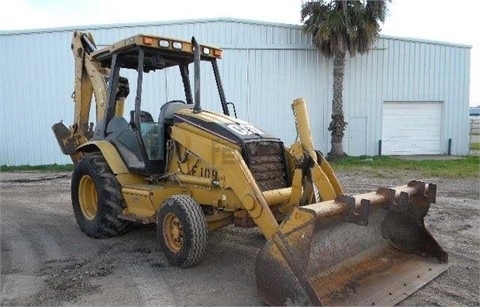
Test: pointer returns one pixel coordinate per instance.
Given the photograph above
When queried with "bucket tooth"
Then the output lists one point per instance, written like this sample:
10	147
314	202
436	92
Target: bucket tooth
401	205
355	215
427	190
389	197
432	193
419	186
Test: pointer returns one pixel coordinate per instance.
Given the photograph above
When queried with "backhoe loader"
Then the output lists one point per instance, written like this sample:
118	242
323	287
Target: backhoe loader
192	171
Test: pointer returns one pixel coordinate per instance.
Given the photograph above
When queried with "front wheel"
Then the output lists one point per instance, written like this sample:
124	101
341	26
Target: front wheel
97	199
182	231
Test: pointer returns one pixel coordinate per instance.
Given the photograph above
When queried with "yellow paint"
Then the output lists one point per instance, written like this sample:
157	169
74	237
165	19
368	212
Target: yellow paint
328	170
138	205
232	172
322	175
112	156
219	220
277	197
298	218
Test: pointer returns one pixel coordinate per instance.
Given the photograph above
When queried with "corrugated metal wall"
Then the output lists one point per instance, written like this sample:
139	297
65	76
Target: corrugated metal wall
265	66
419	71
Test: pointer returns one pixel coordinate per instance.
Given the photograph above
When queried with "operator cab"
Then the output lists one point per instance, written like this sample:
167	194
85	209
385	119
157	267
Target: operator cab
155	134
142	141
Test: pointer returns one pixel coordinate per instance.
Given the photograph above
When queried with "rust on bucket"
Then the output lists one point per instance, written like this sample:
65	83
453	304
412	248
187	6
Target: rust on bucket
362	250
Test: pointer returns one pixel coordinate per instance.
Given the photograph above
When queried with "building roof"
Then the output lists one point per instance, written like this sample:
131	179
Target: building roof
206	20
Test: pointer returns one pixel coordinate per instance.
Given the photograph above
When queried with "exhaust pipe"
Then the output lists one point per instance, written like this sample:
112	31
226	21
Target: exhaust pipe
196	76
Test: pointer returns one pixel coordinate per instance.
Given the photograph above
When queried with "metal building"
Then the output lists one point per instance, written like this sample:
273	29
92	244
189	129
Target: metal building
406	96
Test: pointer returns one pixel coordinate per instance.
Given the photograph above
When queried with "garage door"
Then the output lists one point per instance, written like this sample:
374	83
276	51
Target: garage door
412	128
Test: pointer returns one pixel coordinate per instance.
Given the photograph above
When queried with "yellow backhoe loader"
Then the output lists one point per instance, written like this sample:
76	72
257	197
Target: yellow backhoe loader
192	171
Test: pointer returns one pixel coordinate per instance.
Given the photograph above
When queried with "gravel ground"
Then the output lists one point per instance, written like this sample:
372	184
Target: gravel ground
47	260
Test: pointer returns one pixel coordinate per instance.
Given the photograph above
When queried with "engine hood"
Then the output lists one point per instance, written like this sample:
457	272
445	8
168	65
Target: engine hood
226	127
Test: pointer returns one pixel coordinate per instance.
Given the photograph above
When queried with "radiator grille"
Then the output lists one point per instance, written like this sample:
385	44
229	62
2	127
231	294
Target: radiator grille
266	161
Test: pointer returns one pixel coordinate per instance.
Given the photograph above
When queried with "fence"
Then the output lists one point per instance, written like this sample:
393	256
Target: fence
474	134
474	126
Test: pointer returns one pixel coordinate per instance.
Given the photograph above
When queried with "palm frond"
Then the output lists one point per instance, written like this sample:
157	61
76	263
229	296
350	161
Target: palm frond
343	26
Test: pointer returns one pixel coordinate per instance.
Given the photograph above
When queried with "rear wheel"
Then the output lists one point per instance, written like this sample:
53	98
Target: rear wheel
97	199
182	231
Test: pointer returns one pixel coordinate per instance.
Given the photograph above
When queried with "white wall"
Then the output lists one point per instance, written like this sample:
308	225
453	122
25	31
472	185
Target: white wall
264	67
429	71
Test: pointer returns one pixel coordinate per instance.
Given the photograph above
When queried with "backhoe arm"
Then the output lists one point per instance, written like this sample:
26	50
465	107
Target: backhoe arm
90	80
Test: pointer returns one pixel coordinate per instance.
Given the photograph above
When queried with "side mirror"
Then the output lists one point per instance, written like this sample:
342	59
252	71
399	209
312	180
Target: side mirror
233	107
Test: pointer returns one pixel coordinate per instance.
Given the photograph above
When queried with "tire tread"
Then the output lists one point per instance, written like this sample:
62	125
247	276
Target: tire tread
108	224
195	230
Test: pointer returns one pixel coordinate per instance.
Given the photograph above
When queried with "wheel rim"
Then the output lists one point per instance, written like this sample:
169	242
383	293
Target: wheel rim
173	232
88	198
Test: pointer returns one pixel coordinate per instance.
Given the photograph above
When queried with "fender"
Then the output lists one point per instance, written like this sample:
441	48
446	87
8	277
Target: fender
109	152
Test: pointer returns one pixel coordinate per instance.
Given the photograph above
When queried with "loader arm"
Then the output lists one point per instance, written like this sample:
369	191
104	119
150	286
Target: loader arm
369	249
319	173
233	173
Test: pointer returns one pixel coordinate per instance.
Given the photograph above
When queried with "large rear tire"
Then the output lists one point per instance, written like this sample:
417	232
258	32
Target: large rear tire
182	231
97	199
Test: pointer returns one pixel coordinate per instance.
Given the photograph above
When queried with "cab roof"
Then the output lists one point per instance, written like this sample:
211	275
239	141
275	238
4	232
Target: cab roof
160	52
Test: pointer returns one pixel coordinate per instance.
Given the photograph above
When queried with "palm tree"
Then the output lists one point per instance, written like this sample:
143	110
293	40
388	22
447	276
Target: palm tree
338	27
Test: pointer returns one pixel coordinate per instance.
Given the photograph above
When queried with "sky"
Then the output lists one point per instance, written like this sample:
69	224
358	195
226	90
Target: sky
454	21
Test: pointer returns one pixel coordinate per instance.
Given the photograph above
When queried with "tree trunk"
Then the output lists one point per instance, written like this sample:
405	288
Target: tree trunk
338	124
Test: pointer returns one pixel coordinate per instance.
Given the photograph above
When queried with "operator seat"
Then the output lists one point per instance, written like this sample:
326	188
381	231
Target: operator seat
169	108
145	117
165	119
121	134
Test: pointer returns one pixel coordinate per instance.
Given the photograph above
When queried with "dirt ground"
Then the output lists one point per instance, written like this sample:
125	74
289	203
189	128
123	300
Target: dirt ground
47	260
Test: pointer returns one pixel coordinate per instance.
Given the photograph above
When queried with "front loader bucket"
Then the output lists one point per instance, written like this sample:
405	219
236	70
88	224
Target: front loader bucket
370	249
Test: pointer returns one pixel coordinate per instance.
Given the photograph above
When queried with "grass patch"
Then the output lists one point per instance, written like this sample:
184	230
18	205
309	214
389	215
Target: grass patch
474	146
384	166
43	168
